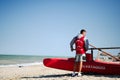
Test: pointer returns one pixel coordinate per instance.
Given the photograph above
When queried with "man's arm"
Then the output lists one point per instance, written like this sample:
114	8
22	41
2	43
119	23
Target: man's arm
72	42
86	44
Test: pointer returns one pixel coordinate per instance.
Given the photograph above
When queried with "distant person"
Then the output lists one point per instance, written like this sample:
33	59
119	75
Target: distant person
81	46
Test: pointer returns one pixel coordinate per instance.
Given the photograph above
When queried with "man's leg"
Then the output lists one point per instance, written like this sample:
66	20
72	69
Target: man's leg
80	65
80	68
75	65
74	69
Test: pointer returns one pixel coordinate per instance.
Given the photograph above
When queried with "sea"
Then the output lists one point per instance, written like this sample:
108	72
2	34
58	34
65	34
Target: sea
21	60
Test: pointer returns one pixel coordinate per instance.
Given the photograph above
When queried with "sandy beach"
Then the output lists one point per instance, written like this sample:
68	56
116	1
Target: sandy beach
40	72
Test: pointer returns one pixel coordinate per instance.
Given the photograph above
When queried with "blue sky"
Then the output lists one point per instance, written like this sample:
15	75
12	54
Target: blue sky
46	27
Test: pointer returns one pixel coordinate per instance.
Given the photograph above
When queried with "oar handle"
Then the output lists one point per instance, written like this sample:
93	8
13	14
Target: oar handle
105	52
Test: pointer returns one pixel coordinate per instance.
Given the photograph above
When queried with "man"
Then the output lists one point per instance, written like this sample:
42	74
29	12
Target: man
80	45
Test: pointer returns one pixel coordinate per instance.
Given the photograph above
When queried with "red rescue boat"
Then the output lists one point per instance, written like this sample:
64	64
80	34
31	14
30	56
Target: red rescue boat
89	66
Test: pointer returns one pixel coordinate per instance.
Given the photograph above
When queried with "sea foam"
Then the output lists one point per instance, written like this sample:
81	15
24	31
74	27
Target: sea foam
22	64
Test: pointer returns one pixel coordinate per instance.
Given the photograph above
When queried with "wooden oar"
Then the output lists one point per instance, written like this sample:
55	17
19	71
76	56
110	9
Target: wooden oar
105	52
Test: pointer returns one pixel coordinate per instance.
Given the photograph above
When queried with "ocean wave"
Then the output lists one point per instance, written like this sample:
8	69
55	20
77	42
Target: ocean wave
22	64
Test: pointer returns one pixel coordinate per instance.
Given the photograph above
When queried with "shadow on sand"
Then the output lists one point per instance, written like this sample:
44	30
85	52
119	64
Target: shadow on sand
69	75
50	76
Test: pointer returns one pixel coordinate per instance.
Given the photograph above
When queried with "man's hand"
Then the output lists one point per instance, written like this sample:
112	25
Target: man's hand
72	49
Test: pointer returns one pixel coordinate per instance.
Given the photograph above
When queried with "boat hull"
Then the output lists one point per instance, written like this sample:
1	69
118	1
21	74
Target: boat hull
88	67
